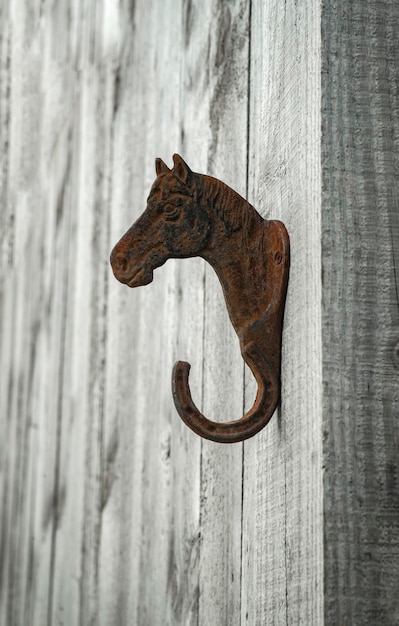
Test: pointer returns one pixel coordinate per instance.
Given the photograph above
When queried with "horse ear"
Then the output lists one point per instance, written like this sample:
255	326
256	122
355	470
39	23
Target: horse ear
181	169
160	167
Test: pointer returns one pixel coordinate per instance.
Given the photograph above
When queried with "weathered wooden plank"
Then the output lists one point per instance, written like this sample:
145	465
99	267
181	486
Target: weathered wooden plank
282	518
35	293
215	142
360	227
75	586
123	430
150	538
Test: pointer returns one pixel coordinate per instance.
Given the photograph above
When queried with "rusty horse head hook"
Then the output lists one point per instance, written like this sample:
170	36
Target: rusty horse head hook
190	214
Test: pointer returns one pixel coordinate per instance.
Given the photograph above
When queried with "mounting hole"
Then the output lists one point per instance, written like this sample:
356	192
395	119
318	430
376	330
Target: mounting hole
278	257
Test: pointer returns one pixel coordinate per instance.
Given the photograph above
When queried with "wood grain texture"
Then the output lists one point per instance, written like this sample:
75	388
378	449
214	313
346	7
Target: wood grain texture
360	115
282	517
148	566
107	498
215	127
113	512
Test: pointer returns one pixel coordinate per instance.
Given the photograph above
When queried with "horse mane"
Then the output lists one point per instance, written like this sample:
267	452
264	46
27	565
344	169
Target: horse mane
231	208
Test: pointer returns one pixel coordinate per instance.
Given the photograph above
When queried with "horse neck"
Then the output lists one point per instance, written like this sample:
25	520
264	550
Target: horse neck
235	250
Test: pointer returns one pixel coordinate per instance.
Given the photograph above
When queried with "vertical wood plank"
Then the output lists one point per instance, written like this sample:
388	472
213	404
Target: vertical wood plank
215	142
360	113
150	523
35	293
282	518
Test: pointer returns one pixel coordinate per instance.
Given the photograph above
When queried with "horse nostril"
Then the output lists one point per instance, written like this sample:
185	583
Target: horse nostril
123	264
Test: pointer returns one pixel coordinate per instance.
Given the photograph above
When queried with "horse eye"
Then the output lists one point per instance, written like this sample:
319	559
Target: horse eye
171	212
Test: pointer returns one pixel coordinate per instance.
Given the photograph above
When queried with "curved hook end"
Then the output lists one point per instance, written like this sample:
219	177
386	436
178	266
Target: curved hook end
180	387
236	430
185	406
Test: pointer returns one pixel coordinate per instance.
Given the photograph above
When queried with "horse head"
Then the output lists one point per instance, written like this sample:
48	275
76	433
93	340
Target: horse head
173	225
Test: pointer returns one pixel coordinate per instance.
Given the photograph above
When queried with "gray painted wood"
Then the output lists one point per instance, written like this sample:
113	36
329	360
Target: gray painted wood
113	512
360	228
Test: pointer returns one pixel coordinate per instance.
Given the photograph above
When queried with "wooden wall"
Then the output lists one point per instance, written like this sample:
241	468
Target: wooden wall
112	511
360	235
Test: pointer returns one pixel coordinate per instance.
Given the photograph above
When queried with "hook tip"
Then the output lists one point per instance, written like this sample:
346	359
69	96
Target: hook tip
180	388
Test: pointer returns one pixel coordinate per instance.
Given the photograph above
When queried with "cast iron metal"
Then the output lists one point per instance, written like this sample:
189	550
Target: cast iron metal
190	214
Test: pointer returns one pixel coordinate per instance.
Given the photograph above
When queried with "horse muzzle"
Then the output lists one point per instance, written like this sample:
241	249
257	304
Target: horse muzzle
128	274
